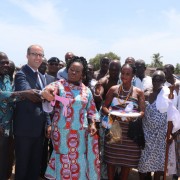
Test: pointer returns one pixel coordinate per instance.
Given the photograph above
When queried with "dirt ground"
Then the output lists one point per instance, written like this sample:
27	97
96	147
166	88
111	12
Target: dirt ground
132	176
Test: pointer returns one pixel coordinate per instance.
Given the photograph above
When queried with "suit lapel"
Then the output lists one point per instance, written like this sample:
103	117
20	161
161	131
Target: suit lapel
49	79
31	77
42	80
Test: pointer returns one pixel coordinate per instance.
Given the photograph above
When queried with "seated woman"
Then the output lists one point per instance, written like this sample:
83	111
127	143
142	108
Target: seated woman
155	129
75	149
125	153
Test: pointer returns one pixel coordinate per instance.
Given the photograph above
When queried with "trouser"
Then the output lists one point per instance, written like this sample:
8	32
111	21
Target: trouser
47	151
28	154
11	156
4	143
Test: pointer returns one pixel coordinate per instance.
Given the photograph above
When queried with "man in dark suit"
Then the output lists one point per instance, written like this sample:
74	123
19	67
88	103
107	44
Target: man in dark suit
47	146
30	119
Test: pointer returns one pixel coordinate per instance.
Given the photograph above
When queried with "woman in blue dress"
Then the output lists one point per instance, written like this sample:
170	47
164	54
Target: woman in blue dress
75	153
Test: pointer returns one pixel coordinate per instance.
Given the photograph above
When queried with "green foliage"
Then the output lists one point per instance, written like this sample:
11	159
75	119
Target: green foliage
96	60
177	69
156	61
148	65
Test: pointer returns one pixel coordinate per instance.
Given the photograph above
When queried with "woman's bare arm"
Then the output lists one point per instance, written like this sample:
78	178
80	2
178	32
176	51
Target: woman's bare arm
108	99
141	101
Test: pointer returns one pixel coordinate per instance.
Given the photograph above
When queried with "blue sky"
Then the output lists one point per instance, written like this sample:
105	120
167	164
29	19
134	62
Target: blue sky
128	28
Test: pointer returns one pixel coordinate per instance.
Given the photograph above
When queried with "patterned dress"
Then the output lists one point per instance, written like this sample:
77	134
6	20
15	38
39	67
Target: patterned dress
177	147
75	155
125	153
7	100
155	129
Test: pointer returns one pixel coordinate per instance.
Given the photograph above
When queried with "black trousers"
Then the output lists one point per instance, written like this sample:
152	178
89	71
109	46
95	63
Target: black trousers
11	156
28	154
47	151
4	144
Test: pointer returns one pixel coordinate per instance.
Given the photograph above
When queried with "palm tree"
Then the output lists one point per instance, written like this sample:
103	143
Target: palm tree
156	60
177	68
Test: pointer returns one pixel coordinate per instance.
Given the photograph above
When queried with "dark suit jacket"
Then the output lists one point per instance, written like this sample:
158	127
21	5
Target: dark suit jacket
30	118
49	79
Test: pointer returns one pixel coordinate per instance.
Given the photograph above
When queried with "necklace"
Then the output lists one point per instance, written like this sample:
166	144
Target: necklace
125	90
128	95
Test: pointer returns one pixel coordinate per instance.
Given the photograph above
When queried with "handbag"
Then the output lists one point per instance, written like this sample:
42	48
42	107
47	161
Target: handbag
136	133
114	134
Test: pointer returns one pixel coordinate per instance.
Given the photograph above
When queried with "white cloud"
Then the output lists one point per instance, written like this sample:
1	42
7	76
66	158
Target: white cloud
16	43
45	33
145	46
48	30
165	42
57	44
44	11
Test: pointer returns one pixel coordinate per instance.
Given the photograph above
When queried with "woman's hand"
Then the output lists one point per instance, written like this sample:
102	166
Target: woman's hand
171	88
170	140
48	93
92	129
48	132
128	119
98	91
98	88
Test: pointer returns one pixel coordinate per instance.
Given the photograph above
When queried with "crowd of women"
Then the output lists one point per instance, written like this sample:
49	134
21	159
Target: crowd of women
105	123
125	141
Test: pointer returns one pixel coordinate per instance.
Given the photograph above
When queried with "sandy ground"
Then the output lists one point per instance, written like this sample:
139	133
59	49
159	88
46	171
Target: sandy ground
132	176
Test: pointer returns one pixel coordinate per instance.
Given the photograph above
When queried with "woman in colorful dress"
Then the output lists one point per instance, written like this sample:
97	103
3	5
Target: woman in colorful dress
75	143
125	153
155	129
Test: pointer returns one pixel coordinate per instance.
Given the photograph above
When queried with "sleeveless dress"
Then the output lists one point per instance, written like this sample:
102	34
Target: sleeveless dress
155	129
125	153
75	153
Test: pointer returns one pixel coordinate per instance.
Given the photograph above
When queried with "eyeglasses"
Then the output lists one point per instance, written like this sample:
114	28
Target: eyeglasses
55	64
36	55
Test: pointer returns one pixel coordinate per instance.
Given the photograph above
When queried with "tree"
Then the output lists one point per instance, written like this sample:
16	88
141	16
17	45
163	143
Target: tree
156	61
177	69
96	60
